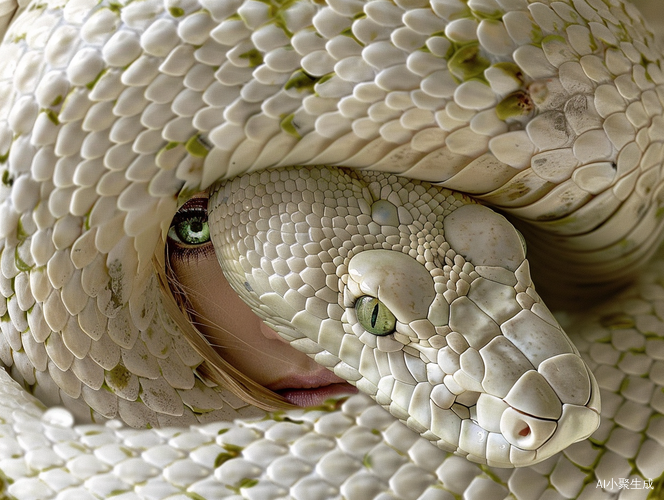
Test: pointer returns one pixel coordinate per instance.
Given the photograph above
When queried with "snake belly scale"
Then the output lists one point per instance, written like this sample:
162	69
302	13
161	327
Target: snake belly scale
114	113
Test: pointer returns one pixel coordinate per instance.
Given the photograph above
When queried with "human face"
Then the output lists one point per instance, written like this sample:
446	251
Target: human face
230	326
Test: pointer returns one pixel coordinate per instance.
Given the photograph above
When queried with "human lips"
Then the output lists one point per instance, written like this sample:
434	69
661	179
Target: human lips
311	390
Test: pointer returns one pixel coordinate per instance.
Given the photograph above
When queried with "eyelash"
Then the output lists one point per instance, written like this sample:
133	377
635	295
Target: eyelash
181	251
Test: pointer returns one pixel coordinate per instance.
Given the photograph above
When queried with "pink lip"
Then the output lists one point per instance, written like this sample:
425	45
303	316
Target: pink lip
312	389
316	396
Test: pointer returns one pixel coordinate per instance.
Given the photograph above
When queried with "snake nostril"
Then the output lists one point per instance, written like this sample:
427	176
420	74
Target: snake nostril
525	431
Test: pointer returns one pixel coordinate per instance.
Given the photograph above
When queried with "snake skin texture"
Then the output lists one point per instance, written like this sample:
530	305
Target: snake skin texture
112	114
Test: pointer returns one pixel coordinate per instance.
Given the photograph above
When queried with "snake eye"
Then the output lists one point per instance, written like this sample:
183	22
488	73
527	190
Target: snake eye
374	316
190	224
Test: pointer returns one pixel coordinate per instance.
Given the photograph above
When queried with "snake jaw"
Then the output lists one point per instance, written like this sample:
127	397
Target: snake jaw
473	361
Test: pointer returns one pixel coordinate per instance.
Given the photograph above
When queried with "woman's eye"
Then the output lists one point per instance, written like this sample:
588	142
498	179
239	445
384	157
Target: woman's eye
190	224
374	316
191	231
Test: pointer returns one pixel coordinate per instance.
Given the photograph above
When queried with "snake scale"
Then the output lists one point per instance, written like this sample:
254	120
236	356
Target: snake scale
114	113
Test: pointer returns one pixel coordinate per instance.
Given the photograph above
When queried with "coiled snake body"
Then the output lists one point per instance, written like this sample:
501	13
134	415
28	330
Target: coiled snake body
114	113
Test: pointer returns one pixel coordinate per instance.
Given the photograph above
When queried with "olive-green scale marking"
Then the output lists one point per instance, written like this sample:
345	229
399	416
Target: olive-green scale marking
468	63
289	127
276	11
302	81
254	57
195	147
52	116
7	179
515	105
91	85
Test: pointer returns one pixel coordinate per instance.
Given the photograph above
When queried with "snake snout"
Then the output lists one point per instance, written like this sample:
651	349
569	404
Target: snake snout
552	407
544	437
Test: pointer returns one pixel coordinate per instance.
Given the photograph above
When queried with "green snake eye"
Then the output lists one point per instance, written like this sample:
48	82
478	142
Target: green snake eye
374	316
190	225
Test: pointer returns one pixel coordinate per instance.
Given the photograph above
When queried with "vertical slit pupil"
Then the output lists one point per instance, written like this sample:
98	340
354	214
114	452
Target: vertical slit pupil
374	316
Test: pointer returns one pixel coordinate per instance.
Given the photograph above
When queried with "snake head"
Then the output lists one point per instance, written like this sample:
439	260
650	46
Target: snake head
417	296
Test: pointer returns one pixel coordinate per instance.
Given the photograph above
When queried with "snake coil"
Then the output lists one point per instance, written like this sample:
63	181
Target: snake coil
113	113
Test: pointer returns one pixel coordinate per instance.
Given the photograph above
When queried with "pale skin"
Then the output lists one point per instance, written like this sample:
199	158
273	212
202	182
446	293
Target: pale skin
239	336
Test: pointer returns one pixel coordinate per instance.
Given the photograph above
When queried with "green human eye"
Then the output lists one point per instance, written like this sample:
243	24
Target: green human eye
191	230
190	224
374	316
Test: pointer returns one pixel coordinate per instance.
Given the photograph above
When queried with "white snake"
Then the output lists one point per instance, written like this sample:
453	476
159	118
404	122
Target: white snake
112	113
